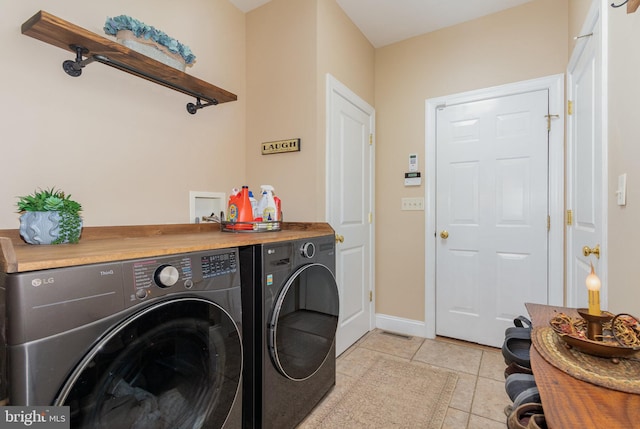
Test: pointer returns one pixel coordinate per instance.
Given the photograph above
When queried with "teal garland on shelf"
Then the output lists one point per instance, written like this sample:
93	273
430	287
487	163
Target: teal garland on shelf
148	32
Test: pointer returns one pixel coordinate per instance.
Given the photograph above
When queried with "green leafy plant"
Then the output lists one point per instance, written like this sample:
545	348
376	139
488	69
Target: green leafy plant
52	200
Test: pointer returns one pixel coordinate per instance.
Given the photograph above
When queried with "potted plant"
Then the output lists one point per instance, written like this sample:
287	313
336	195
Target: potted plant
49	217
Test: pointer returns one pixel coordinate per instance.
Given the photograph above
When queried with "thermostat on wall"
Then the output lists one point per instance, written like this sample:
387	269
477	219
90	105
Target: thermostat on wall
413	162
412	178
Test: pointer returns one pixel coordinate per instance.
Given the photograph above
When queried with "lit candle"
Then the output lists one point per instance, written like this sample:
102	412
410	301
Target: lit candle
593	285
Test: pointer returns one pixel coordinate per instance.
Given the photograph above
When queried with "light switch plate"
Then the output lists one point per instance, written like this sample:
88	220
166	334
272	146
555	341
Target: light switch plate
621	193
412	203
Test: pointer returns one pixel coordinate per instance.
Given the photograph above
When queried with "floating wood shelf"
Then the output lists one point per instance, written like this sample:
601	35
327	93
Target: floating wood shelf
58	32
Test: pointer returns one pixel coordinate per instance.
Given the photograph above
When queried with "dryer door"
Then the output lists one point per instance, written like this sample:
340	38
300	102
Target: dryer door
176	364
304	322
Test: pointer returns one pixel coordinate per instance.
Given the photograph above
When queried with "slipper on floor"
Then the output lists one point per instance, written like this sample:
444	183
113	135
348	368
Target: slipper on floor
519	417
518	383
520	324
537	421
514	368
516	348
528	396
517	332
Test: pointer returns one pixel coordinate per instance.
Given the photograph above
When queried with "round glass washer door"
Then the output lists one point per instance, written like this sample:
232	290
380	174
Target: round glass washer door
175	365
304	321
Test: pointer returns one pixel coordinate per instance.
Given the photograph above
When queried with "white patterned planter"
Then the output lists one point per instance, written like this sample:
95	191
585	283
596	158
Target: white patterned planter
41	227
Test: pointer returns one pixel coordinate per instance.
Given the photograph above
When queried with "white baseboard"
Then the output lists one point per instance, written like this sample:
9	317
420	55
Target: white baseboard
402	326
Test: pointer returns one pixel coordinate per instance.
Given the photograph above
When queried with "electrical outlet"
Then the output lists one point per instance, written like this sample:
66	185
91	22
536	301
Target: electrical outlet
412	203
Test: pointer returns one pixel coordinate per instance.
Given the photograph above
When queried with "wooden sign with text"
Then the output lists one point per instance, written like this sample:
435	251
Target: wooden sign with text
280	146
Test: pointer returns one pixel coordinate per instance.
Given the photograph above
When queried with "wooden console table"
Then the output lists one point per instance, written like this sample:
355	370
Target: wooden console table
572	403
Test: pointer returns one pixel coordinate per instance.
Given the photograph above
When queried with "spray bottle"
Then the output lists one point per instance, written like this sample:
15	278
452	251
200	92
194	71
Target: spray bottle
278	207
267	205
254	205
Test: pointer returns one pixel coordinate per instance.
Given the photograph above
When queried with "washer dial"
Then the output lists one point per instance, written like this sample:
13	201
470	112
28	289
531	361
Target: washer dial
166	276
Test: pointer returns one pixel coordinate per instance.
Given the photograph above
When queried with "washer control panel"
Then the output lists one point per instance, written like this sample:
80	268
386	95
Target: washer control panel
161	273
149	278
219	264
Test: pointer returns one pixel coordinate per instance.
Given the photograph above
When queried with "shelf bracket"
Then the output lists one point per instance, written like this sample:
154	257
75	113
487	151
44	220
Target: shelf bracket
619	5
74	68
193	108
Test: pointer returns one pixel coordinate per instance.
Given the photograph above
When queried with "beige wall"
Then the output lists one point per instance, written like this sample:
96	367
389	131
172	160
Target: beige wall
291	45
521	43
281	102
624	157
130	153
344	52
347	55
125	148
578	10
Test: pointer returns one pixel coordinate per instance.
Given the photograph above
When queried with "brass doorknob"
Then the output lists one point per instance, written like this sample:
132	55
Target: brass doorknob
444	234
586	251
339	238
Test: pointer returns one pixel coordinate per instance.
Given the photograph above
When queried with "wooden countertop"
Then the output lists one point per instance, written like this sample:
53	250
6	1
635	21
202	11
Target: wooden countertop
118	243
572	403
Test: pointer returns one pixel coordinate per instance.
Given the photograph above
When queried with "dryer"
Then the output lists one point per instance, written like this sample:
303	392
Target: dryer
290	312
150	343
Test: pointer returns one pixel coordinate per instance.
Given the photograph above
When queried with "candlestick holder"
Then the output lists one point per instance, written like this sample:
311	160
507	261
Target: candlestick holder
594	323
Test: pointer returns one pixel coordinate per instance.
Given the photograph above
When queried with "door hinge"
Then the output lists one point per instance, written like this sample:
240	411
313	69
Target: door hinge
370	296
370	139
569	217
548	223
569	107
370	217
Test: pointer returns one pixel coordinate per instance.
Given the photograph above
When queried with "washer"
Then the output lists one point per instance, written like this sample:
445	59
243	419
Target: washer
290	318
150	343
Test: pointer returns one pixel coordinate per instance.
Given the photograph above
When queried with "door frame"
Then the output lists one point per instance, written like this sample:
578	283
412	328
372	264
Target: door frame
335	87
555	85
597	20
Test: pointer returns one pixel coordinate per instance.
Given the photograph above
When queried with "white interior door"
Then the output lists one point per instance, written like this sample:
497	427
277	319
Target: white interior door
492	214
350	191
586	166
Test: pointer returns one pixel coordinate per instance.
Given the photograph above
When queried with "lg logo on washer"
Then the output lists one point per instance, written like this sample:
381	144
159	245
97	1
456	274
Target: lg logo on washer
40	282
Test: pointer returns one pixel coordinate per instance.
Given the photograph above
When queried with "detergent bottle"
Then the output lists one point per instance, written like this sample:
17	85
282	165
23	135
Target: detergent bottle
245	211
278	207
240	208
232	205
267	205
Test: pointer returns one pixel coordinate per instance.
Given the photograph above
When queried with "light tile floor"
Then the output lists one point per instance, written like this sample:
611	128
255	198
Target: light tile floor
479	398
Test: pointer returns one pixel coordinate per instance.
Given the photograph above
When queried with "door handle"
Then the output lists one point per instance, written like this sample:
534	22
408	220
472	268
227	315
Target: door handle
586	251
339	238
444	234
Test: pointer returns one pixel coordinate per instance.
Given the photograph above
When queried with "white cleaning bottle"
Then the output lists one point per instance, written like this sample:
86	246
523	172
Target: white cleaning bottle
267	205
254	205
